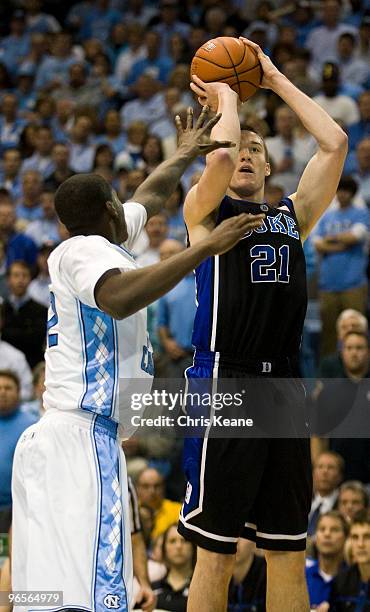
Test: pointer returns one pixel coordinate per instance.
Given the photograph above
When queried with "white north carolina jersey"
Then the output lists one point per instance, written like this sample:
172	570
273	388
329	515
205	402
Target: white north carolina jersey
94	362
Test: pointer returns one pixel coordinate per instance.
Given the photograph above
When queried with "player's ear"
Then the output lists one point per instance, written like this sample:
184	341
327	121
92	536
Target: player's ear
267	169
110	208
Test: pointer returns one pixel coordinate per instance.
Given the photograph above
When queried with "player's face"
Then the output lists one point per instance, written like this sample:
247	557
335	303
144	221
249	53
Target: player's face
360	543
350	502
119	220
251	168
330	536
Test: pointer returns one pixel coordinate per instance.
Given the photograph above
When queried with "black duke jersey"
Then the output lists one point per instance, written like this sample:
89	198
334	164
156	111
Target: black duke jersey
252	300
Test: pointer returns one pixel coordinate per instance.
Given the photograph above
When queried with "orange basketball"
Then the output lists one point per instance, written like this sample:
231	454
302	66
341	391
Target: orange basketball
228	60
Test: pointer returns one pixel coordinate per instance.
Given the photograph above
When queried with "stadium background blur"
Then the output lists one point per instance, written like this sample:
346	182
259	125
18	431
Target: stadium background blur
94	86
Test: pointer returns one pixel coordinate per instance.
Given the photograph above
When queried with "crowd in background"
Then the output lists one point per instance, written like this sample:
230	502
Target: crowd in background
93	86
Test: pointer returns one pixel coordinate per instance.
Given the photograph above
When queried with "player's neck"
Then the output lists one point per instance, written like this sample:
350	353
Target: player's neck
257	197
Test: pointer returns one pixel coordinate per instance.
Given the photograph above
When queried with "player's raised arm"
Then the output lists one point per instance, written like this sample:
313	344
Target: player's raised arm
320	179
206	196
154	192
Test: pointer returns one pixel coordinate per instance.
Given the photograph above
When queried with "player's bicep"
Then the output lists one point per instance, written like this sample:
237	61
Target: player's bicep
318	187
207	194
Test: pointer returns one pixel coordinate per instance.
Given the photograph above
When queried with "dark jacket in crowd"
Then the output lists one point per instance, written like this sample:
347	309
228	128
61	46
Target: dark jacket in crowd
25	328
349	593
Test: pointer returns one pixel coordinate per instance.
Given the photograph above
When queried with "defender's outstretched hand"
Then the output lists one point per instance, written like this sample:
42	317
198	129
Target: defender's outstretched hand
269	69
229	232
196	140
208	93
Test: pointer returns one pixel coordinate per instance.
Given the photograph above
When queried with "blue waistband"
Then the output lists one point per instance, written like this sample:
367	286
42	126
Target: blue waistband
107	425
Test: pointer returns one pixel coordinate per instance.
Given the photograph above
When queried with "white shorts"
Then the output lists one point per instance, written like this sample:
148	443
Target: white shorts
71	528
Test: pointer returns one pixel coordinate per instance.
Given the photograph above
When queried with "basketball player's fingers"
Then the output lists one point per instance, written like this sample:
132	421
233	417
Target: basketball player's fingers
252	44
178	125
201	84
198	90
202	117
189	118
212	146
207	127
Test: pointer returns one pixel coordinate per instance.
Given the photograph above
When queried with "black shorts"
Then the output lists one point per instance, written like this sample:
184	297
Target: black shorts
255	488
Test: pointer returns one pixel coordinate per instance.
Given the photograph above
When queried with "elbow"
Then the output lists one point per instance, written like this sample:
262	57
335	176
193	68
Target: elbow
223	158
339	143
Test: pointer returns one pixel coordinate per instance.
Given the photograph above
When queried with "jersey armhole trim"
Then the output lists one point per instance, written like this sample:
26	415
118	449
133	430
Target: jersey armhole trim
101	280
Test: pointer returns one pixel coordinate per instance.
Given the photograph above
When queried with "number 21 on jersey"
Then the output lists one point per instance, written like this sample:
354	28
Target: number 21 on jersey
264	268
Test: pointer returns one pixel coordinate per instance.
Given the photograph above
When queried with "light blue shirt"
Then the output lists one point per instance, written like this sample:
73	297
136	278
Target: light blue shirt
176	311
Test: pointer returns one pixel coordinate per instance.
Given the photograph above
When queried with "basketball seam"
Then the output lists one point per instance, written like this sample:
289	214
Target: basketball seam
232	62
215	64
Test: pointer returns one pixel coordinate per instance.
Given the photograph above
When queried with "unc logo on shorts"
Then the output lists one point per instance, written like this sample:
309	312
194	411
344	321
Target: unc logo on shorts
111	601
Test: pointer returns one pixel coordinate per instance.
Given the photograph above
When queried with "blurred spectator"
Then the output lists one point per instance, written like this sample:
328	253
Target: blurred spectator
15	46
152	153
179	558
16	245
39	287
156	230
175	219
179	50
29	206
131	156
150	489
13	422
14	360
176	312
147	107
364	36
36	20
27	140
341	240
41	160
38	49
24	320
351	586
3	285
35	406
179	78
297	69
113	134
136	11
25	92
331	366
103	162
157	65
289	155
81	150
327	474
354	70
62	121
53	70
338	105
165	128
247	590
111	88
169	23
11	125
10	178
330	538
99	20
361	129
62	171
362	170
134	52
322	40
80	89
352	498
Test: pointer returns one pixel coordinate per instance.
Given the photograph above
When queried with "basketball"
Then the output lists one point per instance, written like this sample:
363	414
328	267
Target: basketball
228	60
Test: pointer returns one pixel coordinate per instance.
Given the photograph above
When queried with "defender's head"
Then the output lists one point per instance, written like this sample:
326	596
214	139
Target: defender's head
252	167
86	204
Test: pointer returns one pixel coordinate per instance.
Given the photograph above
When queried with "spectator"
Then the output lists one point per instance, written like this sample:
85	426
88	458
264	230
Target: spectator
341	240
60	157
99	21
175	218
169	24
353	497
53	70
179	50
156	230
322	40
37	21
113	134
362	170
62	121
288	154
330	537
179	558
17	245
147	107
38	49
165	128
15	46
14	360
179	78
25	92
157	65
82	151
350	589
13	422
338	105
152	153
27	140
11	125
131	157
80	89
3	285
112	89
298	71
150	489
134	52
39	287
103	162
328	471
41	160
354	70
29	206
247	589
364	39
35	405
24	321
10	178
361	129
176	312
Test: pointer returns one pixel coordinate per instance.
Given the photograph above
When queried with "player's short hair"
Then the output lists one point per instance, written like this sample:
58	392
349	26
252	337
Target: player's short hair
335	514
12	375
361	518
249	128
80	200
357	487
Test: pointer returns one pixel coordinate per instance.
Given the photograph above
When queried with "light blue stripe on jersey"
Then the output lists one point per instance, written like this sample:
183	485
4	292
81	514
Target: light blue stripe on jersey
98	335
109	562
